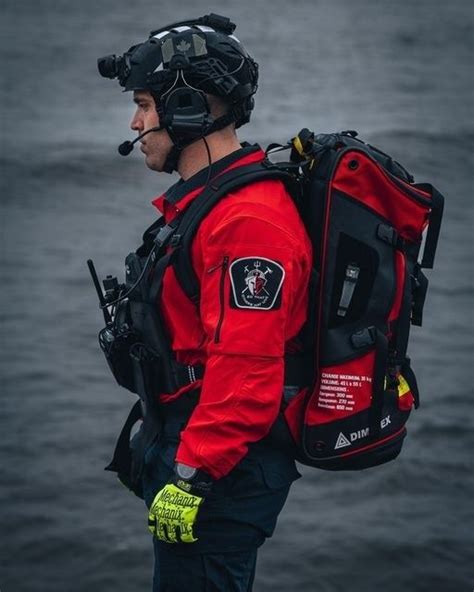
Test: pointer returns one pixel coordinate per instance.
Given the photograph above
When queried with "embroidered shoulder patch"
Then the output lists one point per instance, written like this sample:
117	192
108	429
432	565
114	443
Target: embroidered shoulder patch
256	283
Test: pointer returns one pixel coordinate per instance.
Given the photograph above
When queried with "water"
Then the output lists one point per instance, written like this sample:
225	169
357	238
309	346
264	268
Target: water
400	73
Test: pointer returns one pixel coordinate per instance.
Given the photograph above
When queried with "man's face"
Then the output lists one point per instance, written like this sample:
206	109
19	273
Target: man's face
156	145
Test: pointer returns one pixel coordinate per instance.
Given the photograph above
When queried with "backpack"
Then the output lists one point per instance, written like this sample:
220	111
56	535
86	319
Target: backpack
350	388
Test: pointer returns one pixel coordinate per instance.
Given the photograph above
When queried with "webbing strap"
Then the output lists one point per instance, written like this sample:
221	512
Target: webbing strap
186	374
183	374
419	289
128	466
157	278
122	449
378	382
434	227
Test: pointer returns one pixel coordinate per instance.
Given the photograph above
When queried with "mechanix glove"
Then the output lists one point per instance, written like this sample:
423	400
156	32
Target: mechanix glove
174	510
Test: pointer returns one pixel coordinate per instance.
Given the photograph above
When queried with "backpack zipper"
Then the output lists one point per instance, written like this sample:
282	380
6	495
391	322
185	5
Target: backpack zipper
223	266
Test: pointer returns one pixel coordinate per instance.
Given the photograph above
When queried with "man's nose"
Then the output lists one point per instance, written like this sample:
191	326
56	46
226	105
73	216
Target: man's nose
136	123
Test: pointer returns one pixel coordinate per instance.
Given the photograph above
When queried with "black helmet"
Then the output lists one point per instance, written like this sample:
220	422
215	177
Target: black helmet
181	63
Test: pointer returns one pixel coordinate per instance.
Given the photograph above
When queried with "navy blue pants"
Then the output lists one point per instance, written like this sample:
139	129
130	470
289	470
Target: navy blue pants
203	572
233	521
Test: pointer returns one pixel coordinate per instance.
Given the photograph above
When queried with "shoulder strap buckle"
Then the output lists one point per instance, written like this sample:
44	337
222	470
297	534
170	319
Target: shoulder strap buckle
164	235
175	240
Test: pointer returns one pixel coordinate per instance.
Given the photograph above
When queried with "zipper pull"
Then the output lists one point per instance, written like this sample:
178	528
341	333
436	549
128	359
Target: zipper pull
222	265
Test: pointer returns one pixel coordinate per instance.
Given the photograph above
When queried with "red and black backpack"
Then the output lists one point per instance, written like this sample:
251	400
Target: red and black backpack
350	388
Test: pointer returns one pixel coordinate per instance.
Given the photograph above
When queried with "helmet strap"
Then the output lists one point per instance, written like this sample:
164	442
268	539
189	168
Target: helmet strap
172	159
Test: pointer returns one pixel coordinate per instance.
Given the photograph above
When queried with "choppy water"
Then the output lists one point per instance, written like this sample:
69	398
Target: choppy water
400	73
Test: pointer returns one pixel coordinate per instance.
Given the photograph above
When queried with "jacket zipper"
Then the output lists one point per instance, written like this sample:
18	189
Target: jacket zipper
223	266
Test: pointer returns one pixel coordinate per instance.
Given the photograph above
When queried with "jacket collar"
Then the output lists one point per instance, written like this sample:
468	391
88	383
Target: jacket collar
179	195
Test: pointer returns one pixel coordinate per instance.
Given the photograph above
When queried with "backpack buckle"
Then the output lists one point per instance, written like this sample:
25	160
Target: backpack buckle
363	338
390	235
175	240
163	235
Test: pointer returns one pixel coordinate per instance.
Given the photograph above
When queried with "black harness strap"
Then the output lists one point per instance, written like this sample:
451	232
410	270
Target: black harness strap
122	448
178	235
434	227
157	278
419	288
127	464
180	374
193	216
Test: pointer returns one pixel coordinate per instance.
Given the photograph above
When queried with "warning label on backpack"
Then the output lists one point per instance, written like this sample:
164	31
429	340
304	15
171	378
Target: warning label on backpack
343	392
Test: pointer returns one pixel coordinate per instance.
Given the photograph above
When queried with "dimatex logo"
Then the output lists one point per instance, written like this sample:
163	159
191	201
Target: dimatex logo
256	283
342	441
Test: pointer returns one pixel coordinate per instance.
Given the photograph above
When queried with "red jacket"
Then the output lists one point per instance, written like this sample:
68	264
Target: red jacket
252	257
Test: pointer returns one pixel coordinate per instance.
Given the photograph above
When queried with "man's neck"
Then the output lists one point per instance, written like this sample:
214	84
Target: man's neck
195	157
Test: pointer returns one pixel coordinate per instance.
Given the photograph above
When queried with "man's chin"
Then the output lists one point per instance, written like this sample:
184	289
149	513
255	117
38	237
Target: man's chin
153	164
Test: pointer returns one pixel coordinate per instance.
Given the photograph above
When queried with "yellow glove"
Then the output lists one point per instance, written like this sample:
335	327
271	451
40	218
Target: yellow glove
175	508
173	514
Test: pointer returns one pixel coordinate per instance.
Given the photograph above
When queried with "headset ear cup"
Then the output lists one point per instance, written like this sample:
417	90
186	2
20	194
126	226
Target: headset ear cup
186	114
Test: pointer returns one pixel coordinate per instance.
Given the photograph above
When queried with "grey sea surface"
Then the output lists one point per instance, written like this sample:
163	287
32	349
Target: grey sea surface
398	72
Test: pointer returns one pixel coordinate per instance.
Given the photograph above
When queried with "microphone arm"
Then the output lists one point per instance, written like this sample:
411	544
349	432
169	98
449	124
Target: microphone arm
126	147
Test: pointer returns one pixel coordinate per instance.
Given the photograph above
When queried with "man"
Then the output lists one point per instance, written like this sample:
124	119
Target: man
212	477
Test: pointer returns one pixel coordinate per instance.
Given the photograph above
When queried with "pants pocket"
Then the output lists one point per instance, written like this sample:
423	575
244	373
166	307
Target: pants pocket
158	467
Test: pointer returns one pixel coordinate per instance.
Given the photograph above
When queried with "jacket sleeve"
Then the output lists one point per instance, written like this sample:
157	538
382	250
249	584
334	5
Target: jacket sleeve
253	299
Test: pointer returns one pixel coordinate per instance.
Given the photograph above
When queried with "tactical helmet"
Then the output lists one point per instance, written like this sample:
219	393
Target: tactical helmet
182	62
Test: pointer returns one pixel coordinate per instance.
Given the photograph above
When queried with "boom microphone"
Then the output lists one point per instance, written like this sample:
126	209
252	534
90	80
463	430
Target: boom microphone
126	147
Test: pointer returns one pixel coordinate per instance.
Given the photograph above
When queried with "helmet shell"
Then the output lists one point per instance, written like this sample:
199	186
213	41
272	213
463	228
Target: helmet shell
209	60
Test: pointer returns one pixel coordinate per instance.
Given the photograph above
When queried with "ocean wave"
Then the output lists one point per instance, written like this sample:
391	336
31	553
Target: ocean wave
462	138
452	290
